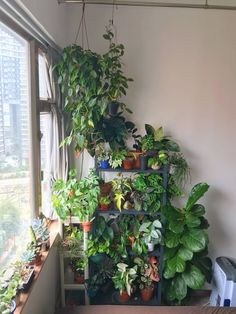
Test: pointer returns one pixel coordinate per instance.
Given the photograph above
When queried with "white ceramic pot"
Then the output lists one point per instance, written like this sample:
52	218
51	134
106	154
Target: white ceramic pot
150	247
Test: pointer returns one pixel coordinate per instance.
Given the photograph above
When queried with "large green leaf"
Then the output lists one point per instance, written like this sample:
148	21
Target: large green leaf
194	278
170	213
168	273
192	221
149	129
185	254
179	288
176	226
169	253
195	240
197	192
205	265
176	264
172	239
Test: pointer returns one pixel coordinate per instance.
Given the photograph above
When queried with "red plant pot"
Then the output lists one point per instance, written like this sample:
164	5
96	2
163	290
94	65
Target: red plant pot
128	163
104	206
87	226
147	293
124	297
79	279
137	161
106	188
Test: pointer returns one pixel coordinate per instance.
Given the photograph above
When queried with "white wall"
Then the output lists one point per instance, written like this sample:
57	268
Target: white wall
184	69
52	16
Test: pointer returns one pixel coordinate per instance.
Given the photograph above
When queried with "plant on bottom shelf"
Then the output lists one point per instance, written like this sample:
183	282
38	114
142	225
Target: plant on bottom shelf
148	274
78	266
186	266
124	278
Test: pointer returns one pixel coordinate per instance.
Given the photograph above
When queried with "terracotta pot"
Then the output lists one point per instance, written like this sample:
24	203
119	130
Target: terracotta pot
147	293
87	226
124	297
79	279
128	163
104	207
137	161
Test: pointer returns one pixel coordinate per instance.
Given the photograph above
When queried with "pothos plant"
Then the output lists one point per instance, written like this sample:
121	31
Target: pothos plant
186	266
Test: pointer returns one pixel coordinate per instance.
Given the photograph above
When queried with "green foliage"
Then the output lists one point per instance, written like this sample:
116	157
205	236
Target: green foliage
148	271
117	158
101	238
76	198
151	231
186	265
121	187
105	200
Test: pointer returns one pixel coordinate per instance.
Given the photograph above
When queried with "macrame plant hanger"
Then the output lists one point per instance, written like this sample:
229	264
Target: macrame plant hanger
83	29
111	25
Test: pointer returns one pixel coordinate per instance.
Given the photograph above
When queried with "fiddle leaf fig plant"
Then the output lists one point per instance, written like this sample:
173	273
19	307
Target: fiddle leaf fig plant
187	266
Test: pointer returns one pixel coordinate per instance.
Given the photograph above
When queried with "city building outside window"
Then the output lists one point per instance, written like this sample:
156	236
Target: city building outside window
15	146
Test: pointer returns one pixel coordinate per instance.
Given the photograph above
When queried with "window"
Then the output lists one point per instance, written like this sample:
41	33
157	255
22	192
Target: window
15	146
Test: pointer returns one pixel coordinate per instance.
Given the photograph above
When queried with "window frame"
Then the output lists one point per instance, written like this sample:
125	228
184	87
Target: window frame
36	107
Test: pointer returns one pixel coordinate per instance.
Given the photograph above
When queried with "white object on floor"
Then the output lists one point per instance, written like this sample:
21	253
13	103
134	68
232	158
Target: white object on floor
224	282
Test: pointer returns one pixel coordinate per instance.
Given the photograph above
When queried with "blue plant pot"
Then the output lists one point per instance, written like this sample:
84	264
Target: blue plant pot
97	258
104	164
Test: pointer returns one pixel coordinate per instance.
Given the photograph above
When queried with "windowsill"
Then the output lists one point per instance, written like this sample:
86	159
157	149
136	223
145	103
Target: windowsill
54	231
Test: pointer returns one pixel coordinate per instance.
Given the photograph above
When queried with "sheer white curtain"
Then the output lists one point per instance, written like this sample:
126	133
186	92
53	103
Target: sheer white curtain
57	163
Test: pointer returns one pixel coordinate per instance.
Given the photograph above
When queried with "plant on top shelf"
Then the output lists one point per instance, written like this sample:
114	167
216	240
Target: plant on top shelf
148	274
151	233
186	266
123	280
117	158
156	162
114	75
103	156
121	187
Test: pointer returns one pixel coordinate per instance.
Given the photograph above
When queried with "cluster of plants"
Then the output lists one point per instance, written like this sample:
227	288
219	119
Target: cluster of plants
19	275
76	198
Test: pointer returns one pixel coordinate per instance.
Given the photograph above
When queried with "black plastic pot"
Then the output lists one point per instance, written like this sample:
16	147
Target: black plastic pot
24	286
113	108
144	161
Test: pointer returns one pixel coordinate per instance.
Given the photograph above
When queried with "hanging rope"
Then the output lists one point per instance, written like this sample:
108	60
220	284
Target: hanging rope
83	28
111	22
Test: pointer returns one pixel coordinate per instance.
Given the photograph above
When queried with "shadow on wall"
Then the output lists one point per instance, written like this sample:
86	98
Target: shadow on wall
218	235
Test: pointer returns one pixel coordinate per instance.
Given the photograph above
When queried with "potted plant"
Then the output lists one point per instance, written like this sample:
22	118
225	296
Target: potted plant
123	280
148	275
117	158
40	228
31	256
114	75
128	162
64	198
121	188
102	156
105	202
151	233
78	266
72	241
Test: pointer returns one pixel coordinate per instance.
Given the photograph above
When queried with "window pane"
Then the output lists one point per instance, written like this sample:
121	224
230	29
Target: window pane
45	129
44	89
15	210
